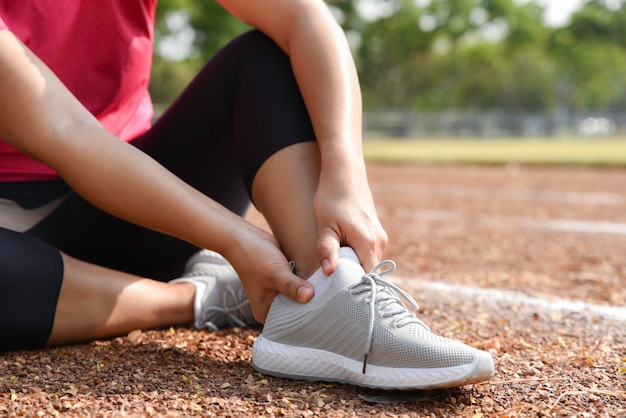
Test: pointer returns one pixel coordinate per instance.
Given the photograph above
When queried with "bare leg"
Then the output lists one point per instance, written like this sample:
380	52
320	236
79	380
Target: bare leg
283	191
97	302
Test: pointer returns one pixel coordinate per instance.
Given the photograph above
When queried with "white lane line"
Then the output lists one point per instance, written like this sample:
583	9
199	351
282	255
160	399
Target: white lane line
549	304
565	225
548	196
573	225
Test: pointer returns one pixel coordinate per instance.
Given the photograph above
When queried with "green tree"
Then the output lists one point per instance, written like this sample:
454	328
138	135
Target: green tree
443	53
394	58
440	55
212	26
591	54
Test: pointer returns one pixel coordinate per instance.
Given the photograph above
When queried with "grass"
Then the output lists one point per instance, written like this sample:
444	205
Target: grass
597	152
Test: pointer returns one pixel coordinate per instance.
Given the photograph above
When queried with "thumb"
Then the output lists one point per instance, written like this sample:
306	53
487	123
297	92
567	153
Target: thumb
295	288
328	250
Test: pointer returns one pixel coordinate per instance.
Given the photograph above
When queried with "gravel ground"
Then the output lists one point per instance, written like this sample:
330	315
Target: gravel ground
524	262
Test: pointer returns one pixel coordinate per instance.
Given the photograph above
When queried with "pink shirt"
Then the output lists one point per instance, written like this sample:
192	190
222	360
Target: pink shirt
100	49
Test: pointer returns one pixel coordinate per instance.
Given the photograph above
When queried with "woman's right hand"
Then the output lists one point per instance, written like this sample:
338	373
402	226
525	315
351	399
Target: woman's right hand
264	271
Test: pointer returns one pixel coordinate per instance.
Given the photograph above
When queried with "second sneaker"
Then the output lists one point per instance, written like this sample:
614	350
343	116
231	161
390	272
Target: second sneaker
220	300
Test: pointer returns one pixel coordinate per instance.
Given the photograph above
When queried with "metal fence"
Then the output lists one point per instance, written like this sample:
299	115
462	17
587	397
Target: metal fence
462	123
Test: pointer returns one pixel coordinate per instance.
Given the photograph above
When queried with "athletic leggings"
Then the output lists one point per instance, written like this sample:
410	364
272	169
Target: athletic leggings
243	107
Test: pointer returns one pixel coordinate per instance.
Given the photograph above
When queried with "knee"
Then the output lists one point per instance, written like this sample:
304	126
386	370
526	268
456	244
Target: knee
31	273
262	54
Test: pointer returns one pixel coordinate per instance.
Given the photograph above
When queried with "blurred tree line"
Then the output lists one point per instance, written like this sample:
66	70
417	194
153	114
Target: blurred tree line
435	54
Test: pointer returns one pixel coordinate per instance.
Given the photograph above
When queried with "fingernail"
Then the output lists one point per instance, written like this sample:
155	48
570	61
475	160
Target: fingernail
304	294
325	266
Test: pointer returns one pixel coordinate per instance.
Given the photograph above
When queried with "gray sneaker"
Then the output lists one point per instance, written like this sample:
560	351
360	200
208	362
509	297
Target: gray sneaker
359	332
220	300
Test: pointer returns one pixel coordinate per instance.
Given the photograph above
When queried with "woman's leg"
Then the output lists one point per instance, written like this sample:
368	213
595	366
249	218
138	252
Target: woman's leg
31	273
283	192
47	297
96	302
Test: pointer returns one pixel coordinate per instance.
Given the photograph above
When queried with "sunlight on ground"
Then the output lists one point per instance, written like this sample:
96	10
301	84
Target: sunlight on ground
499	151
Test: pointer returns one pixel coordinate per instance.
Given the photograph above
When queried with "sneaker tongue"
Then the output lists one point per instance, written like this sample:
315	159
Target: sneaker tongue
319	281
347	273
347	252
349	270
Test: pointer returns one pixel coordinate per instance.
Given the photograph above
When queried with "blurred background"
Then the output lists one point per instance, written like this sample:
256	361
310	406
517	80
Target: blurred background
448	68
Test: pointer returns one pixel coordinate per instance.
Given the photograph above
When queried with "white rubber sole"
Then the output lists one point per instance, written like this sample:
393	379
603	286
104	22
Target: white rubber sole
300	363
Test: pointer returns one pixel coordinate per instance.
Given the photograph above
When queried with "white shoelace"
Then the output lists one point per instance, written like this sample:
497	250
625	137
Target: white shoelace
233	305
384	296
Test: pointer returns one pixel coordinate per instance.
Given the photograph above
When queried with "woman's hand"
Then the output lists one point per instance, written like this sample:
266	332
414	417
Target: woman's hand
346	216
264	271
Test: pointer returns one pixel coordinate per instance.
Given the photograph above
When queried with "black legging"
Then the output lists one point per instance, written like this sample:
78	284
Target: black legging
243	107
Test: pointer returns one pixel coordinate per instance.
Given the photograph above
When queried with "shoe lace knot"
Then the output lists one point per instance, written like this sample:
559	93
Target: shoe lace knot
232	308
383	296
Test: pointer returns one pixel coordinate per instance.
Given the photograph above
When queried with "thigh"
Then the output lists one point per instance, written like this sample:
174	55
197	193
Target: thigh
52	213
87	233
31	274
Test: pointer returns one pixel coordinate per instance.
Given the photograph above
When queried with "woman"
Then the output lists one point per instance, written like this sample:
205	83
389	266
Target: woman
94	227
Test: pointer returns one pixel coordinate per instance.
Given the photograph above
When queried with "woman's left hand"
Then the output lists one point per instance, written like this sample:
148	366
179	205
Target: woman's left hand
346	216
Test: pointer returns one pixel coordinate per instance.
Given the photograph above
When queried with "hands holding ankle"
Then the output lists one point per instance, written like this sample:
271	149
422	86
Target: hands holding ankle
265	272
346	216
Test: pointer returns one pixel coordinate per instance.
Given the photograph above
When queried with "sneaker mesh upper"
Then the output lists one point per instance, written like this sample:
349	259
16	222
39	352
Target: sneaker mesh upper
338	322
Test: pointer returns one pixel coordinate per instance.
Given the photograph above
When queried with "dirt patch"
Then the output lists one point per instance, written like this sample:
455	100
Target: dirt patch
461	227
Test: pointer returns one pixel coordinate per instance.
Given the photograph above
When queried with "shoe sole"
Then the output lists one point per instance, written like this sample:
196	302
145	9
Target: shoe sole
300	363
